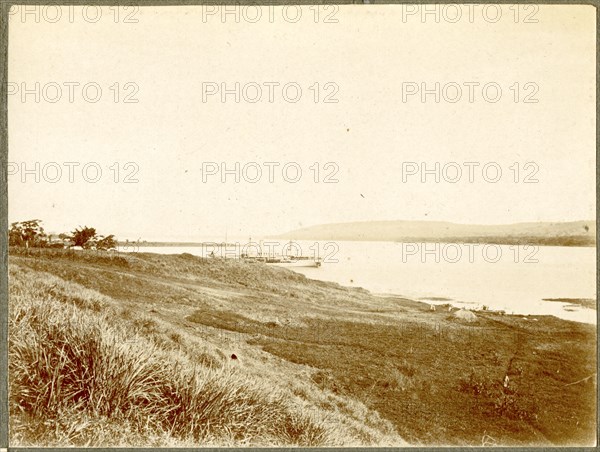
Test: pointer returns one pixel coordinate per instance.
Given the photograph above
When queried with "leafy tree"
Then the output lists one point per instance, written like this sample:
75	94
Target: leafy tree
27	233
87	238
106	243
15	235
30	233
83	237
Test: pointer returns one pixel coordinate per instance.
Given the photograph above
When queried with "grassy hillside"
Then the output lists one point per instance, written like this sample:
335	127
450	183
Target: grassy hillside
136	350
575	233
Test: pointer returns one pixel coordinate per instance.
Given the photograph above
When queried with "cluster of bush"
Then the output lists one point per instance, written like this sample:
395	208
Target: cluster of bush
31	234
498	399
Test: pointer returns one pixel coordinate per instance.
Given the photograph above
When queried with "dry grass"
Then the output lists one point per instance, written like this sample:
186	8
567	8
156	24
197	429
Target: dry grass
77	377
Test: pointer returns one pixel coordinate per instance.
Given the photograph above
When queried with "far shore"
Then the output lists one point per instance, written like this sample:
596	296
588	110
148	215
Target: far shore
588	303
577	241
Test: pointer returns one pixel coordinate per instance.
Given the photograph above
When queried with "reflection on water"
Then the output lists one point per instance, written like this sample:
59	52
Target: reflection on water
515	279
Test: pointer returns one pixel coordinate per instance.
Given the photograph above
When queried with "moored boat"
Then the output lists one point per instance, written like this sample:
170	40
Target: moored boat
292	261
299	262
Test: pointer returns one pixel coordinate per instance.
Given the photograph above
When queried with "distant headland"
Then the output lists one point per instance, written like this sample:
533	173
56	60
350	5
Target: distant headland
575	233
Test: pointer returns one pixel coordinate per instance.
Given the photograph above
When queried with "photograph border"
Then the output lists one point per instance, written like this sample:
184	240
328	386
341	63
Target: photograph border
4	18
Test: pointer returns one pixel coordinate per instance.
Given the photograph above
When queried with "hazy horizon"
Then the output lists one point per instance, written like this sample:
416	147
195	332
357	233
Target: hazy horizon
236	236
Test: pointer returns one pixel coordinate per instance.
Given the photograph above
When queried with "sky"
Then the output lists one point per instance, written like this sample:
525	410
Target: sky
160	130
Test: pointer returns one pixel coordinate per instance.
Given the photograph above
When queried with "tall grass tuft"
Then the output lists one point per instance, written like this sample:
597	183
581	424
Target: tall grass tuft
77	376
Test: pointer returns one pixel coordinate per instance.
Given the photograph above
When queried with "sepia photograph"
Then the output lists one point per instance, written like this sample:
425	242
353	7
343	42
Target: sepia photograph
308	225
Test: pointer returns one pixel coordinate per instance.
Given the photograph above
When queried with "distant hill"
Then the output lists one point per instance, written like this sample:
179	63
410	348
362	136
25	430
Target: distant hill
575	233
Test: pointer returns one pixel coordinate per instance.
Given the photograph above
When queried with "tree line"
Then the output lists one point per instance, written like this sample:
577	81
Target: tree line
31	234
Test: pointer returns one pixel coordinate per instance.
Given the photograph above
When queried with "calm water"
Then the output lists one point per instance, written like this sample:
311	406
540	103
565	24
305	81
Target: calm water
512	278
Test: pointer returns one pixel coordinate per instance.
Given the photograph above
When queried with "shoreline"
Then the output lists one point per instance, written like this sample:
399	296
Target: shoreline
591	317
447	302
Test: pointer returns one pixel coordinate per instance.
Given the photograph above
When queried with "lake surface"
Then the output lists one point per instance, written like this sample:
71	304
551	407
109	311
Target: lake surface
515	279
